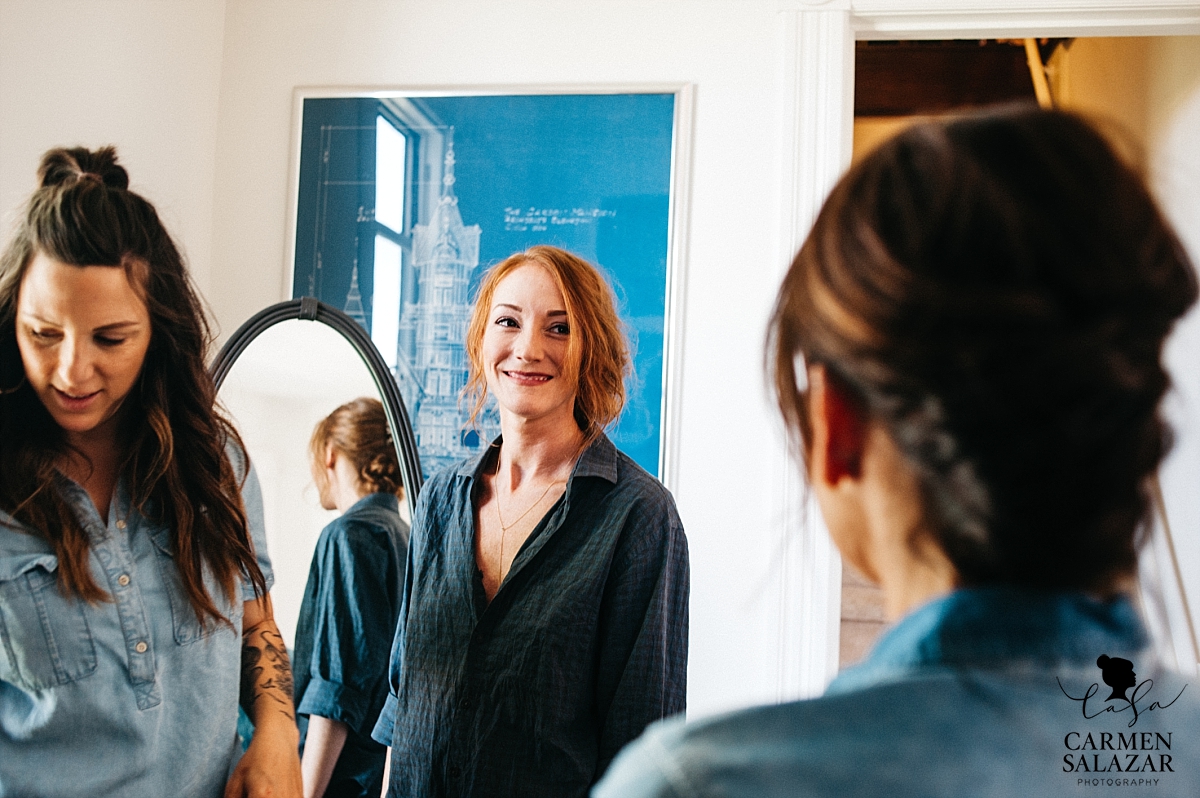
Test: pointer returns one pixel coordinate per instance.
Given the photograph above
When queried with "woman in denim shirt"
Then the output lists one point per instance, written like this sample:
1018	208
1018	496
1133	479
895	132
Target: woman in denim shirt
133	570
351	602
544	622
968	351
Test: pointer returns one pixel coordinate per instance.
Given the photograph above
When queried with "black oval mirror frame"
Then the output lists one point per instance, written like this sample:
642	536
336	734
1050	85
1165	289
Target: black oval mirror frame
310	309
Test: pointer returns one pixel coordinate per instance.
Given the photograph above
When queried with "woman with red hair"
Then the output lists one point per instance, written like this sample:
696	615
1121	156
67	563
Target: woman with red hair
545	610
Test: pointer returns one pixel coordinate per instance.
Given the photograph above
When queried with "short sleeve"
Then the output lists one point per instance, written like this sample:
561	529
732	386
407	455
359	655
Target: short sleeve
252	498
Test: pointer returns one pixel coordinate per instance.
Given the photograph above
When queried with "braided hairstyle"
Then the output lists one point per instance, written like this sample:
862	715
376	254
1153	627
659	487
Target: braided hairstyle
83	214
358	430
995	291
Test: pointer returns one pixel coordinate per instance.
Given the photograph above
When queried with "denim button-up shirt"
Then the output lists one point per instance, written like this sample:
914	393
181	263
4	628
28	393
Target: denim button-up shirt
125	697
344	635
583	645
983	692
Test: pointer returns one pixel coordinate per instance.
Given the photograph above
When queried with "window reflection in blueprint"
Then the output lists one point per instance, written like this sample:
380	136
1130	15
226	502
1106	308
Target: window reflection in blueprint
473	180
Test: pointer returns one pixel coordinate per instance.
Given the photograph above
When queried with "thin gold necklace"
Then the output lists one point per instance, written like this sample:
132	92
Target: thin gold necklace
500	519
504	529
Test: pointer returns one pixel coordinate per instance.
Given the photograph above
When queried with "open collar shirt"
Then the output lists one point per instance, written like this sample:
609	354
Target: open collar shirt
583	645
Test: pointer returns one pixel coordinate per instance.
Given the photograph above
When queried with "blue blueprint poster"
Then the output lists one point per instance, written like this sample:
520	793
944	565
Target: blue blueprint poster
405	201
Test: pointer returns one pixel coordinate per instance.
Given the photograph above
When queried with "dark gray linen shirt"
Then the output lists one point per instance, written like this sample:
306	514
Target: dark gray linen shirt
583	646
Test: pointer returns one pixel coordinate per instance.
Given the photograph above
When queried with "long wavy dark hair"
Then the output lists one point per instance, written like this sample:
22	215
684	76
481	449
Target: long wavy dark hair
995	291
176	462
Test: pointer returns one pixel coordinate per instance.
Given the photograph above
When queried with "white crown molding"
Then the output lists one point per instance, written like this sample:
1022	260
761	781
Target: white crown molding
970	19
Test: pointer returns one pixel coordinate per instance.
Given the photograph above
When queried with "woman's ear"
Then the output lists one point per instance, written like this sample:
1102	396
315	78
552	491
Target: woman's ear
330	457
838	429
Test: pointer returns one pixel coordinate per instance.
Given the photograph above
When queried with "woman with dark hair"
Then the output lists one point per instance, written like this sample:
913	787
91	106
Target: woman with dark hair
967	350
134	580
544	622
351	602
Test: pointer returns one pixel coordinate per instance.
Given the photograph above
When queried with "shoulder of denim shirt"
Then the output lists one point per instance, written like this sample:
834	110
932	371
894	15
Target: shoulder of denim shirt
746	753
649	767
19	541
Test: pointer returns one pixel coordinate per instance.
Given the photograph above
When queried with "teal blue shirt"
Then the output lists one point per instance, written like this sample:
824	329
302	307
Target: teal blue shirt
128	697
974	694
344	635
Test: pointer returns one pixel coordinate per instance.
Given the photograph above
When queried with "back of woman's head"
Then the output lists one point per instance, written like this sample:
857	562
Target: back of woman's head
84	215
358	431
995	291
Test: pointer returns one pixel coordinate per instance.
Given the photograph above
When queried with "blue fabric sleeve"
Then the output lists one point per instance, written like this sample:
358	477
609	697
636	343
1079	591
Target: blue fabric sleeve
335	701
642	668
352	625
252	498
382	733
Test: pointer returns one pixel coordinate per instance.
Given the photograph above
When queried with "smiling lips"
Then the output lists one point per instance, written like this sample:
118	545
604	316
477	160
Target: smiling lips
527	377
73	402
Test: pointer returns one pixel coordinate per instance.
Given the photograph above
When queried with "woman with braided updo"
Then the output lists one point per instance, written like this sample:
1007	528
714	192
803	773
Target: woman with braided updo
351	602
967	351
134	610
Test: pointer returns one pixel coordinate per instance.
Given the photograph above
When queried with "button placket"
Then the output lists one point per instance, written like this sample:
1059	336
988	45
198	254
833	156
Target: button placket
117	558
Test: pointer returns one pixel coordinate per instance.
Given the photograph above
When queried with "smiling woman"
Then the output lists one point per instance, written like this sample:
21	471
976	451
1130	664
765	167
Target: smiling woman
544	622
133	572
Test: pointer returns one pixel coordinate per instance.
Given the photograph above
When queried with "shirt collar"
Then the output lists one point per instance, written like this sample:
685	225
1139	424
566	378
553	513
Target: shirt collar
994	627
385	501
599	459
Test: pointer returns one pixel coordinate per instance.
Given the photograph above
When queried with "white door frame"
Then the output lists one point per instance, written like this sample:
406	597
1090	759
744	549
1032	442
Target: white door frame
816	82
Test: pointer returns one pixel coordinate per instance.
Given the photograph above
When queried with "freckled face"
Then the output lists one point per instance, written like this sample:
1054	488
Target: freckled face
525	346
83	332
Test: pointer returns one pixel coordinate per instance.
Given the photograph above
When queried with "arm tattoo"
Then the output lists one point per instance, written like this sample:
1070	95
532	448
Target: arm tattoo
266	671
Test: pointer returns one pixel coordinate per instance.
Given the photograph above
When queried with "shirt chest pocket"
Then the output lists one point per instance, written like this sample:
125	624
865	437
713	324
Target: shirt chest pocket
44	635
187	626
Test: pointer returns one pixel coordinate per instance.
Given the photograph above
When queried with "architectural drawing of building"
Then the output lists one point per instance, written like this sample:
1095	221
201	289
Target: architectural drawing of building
432	362
354	306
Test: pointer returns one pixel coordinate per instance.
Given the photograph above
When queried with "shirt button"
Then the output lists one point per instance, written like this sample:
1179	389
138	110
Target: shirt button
123	580
141	647
121	524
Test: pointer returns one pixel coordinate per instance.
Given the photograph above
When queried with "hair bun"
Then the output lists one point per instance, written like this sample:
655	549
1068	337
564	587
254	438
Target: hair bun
63	166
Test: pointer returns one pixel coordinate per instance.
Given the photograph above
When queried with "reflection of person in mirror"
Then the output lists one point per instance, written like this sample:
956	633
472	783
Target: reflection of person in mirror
546	600
350	604
134	606
967	352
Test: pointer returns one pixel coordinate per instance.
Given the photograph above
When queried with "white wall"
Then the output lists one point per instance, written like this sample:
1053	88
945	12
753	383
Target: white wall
140	74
